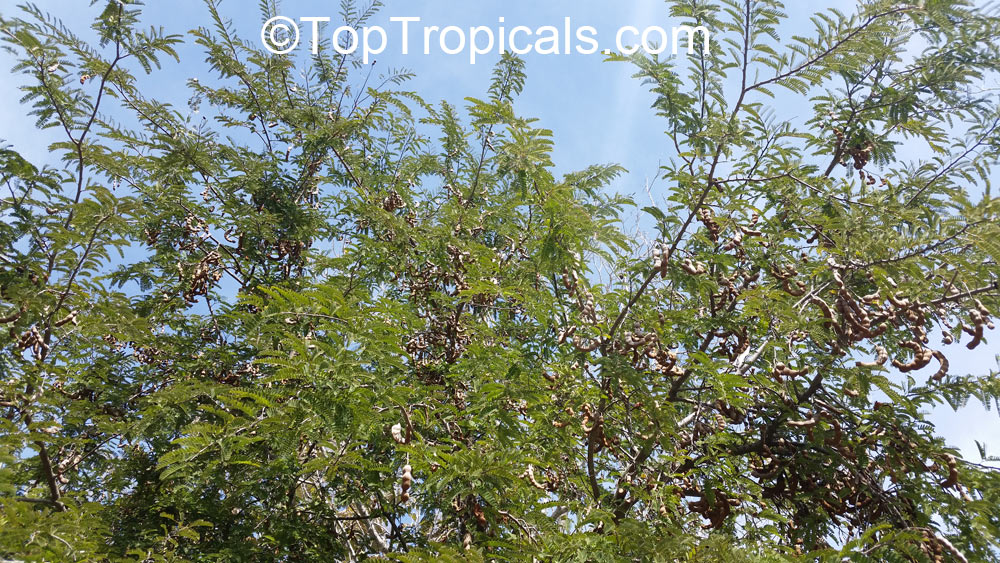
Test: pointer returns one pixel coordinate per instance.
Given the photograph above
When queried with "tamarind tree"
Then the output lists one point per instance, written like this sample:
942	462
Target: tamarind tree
314	317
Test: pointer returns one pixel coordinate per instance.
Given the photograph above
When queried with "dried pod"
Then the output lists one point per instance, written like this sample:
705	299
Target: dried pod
693	268
705	216
977	330
943	370
405	482
397	433
809	422
479	515
952	479
13	316
530	474
781	371
798	291
882	356
70	318
921	357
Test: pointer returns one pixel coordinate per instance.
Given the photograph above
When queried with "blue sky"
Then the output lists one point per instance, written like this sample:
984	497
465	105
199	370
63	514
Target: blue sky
598	114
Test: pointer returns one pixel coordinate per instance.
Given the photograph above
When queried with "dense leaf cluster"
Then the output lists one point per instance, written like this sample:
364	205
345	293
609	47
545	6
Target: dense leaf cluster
312	317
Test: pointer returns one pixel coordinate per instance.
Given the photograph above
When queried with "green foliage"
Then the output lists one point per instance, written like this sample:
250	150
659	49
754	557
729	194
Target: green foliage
331	321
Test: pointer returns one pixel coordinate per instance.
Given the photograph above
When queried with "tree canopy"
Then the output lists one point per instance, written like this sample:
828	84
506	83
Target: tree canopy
324	319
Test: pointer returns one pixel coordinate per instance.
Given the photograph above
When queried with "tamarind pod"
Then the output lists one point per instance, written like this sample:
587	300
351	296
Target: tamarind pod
950	481
849	317
881	357
397	433
954	550
879	330
693	268
16	314
71	317
943	370
734	242
799	292
405	482
776	491
860	312
825	309
836	277
982	308
767	474
835	440
803	423
477	512
27	339
589	347
565	333
977	337
899	303
698	505
921	358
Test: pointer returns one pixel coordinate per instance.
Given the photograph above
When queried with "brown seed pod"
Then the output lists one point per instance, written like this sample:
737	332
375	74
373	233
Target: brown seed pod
405	482
781	371
922	356
982	309
767	473
693	268
881	357
13	316
798	291
530	474
808	423
736	241
397	433
825	309
70	318
581	346
943	370
720	421
660	259
952	479
479	515
565	333
705	216
977	330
